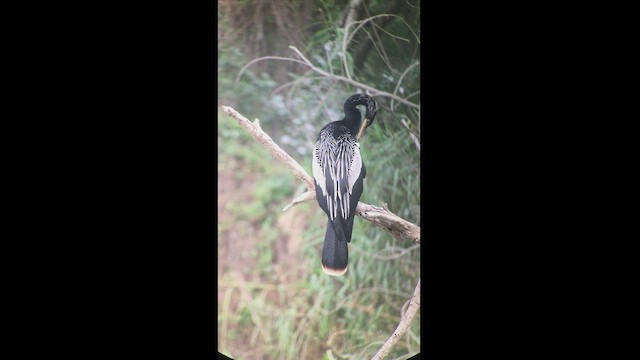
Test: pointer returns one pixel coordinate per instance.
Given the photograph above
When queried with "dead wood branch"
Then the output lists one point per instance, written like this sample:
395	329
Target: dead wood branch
256	131
404	324
373	91
412	135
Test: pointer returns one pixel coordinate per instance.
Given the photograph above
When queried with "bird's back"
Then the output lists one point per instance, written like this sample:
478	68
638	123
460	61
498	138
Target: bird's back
338	171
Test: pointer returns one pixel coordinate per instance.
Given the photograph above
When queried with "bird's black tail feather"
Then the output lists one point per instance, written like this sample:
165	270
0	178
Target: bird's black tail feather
335	255
347	227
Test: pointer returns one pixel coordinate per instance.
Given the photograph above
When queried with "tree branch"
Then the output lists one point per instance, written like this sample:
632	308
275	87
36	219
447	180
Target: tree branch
404	324
412	135
374	91
325	74
379	216
256	131
395	91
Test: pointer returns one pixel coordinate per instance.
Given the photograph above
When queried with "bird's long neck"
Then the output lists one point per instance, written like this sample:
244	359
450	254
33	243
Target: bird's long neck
352	119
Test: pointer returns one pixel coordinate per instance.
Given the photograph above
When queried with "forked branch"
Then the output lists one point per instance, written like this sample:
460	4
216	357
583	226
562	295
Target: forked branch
379	216
327	75
404	324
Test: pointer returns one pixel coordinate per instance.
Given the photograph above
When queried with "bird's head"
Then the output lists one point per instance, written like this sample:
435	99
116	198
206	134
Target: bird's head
370	109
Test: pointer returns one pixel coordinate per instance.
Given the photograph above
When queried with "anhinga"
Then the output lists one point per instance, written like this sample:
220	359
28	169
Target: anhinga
339	171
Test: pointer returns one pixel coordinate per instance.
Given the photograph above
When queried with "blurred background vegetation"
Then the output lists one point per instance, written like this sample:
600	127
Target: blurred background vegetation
274	301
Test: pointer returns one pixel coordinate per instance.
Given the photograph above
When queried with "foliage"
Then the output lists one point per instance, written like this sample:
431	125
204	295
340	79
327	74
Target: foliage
241	96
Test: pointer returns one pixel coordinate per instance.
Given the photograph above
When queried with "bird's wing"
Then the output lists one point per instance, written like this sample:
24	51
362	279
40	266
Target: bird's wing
336	167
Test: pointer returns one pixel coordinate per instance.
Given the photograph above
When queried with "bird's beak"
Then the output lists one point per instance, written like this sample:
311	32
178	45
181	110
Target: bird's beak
363	126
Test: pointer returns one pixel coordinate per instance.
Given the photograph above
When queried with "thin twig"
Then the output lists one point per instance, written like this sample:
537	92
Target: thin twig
380	52
308	63
244	68
395	254
363	22
413	94
400	81
373	90
294	82
391	35
402	326
413	136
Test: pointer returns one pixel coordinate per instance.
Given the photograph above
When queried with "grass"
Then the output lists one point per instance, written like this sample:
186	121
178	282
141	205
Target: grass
276	306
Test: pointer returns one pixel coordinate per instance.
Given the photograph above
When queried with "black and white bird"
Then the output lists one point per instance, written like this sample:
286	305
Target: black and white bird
339	171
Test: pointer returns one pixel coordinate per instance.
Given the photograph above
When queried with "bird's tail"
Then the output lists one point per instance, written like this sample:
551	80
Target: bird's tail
335	255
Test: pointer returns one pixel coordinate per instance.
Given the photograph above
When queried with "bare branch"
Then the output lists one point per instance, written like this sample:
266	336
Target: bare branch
381	52
295	82
373	90
379	216
361	23
404	324
395	252
382	217
353	5
256	131
400	80
308	63
390	34
309	195
413	136
244	68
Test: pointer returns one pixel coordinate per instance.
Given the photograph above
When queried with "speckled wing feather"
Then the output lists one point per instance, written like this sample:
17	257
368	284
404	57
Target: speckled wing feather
336	167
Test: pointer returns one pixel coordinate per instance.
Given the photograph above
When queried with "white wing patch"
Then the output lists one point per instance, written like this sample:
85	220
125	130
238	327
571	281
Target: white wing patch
318	174
355	168
344	165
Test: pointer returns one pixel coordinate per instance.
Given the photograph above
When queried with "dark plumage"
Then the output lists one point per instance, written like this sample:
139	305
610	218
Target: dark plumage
339	171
